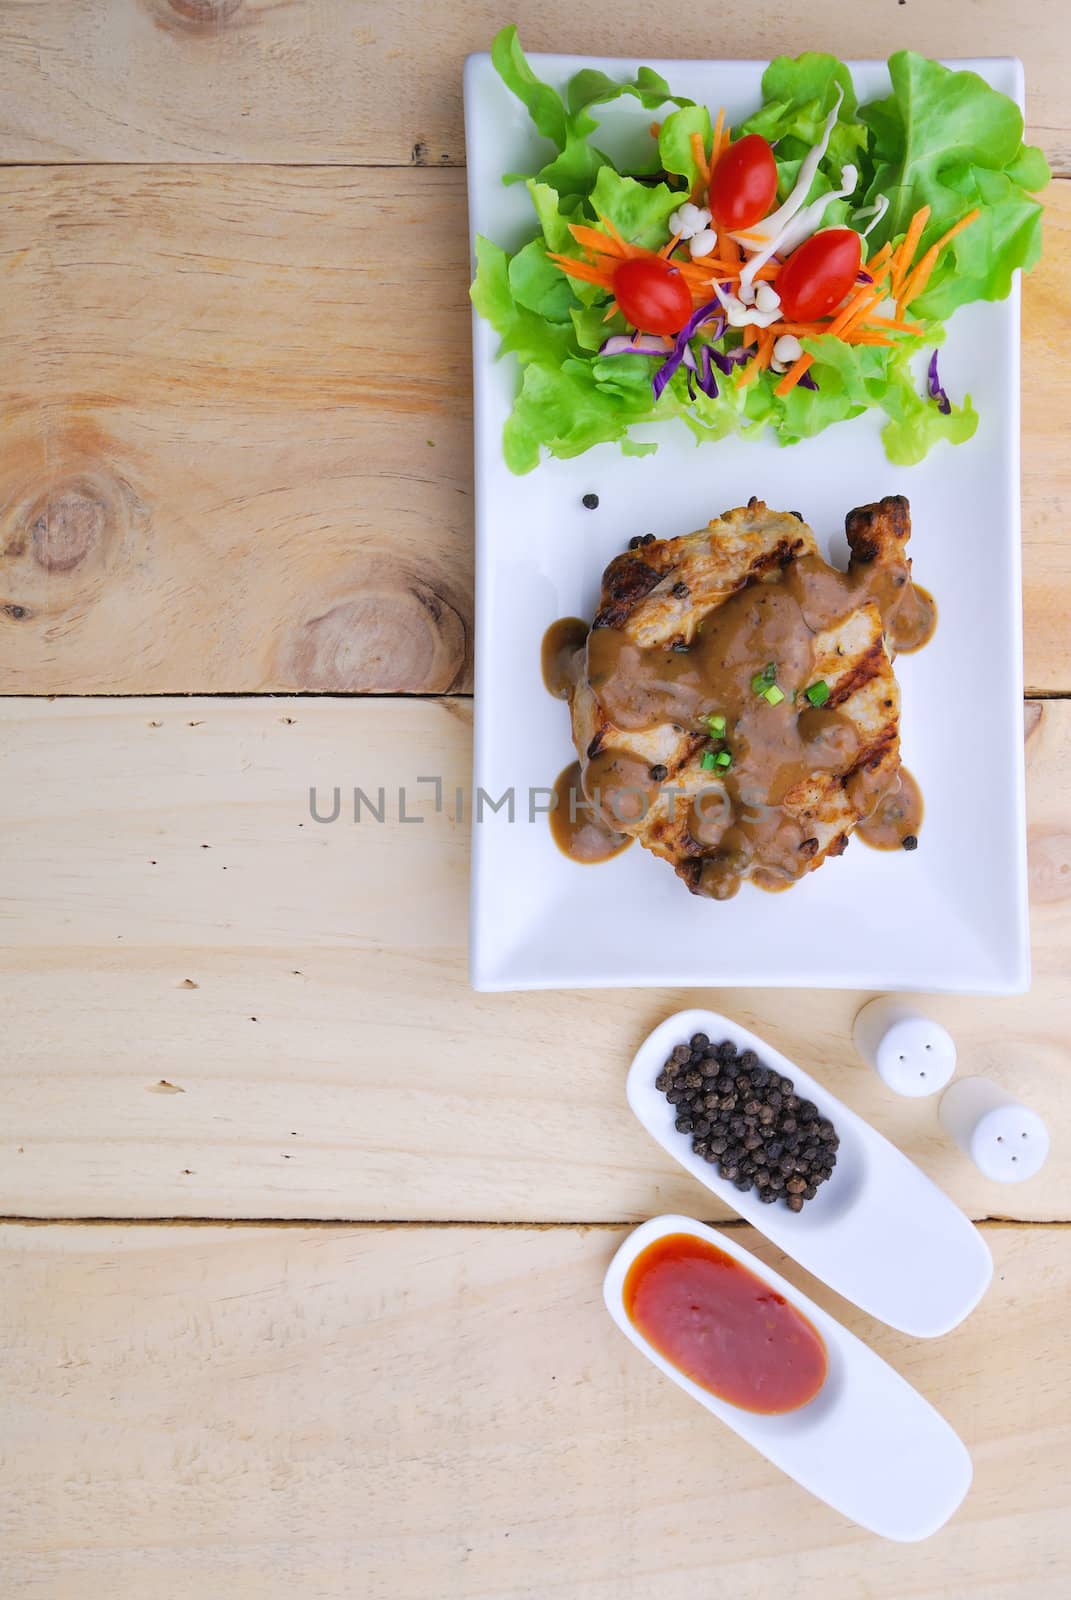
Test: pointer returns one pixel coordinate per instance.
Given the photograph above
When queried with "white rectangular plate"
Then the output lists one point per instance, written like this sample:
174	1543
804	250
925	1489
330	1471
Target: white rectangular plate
950	916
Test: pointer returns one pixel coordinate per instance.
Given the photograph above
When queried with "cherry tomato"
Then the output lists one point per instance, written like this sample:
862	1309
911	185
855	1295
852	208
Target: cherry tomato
817	276
652	295
744	183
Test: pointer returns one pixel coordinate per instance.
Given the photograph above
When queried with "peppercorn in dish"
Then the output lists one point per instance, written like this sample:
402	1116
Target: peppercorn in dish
746	1119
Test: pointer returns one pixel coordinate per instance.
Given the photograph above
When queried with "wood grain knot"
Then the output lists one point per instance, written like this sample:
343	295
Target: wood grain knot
67	526
407	639
1050	867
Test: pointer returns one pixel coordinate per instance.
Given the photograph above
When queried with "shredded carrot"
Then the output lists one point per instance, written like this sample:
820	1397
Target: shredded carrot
750	333
582	269
715	143
654	129
896	323
906	253
703	269
726	137
802	330
592	239
864	336
625	248
794	374
920	275
875	265
866	299
759	362
611	311
670	245
699	156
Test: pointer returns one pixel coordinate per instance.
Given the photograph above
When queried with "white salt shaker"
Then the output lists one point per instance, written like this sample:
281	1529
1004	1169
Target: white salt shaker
1005	1140
911	1053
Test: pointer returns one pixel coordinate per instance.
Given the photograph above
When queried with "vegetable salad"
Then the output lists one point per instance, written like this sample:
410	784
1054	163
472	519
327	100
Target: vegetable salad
782	274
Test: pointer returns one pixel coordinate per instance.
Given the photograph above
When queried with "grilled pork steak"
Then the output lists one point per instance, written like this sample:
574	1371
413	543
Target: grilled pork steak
734	707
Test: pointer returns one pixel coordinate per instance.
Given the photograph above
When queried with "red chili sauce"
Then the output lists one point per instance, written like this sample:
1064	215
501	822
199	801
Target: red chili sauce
723	1327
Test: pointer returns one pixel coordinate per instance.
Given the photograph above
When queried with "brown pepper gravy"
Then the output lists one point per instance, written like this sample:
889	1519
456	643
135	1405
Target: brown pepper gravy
562	643
577	828
774	748
897	816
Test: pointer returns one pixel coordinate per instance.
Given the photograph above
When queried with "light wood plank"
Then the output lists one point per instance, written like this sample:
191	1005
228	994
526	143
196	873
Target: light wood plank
235	451
230	464
338	81
410	1412
171	912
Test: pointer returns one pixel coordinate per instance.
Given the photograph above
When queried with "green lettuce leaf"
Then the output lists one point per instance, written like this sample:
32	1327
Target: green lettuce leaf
947	140
915	424
675	142
567	122
540	286
640	212
799	94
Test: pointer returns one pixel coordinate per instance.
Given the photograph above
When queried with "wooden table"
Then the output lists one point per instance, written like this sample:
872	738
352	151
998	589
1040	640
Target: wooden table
302	1258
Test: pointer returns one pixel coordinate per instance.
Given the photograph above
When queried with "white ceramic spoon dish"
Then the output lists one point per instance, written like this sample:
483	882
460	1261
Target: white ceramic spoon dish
868	1444
878	1231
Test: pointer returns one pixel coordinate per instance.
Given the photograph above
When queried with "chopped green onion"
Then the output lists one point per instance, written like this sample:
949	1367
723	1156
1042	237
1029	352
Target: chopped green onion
717	727
723	759
708	761
764	679
818	693
773	695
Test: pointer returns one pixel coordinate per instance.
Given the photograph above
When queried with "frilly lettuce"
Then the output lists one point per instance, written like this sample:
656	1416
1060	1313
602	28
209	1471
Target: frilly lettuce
942	138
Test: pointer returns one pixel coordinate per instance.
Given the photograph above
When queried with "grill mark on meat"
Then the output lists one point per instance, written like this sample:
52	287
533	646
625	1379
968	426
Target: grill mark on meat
867	667
626	581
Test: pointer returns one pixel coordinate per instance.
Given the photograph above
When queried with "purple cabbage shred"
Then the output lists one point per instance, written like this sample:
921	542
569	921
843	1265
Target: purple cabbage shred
726	360
935	389
681	350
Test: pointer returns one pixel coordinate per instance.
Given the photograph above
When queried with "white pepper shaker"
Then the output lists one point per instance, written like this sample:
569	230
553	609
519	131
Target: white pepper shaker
910	1052
1006	1141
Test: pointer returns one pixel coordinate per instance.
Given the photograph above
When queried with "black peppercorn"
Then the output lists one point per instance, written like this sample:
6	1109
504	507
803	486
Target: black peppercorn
745	1119
910	842
590	502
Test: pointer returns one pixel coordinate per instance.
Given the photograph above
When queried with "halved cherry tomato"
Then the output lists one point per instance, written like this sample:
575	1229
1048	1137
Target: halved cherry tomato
652	295
744	183
817	276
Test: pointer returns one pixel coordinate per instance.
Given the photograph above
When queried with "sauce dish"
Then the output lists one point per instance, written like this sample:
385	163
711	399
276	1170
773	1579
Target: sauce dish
878	1231
867	1444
